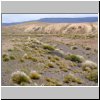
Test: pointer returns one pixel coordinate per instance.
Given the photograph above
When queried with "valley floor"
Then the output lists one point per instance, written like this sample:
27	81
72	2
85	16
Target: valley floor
48	55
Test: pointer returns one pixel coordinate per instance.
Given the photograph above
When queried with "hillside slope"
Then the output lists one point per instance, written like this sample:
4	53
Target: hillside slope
52	28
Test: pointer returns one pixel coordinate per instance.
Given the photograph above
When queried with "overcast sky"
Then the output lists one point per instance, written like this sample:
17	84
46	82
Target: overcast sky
9	18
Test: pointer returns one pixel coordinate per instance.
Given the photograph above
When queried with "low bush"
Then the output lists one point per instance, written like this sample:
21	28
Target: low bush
34	75
20	77
75	58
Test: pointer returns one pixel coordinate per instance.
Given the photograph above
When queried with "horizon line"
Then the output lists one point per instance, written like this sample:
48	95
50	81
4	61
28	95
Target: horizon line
51	18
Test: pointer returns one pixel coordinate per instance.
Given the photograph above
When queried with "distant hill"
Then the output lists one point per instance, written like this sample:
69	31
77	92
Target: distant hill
58	20
69	20
7	24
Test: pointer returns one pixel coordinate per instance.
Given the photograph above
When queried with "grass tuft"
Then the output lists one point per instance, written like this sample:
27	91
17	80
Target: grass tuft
74	47
49	47
5	57
93	76
71	78
50	65
34	75
12	57
74	58
20	77
87	65
53	82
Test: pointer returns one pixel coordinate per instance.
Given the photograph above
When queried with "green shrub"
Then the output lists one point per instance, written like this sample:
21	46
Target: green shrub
48	47
6	59
12	57
74	58
4	55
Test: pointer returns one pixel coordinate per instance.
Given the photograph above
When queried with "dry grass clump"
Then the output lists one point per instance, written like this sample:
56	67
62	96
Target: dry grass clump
74	58
56	58
71	78
93	76
50	65
48	47
12	57
76	71
36	41
88	48
34	75
26	56
20	77
60	51
10	49
89	65
74	47
21	60
5	57
53	82
63	67
95	50
53	58
34	59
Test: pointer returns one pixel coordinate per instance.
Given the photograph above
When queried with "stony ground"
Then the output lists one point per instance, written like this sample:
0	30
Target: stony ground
46	54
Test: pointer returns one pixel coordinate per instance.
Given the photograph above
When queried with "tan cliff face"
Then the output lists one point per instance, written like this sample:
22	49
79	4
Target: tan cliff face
53	28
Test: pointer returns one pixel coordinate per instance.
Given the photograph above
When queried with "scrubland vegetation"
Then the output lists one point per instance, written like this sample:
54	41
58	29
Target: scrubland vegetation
31	58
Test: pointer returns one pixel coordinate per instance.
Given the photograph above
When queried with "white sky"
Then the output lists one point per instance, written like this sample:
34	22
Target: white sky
9	18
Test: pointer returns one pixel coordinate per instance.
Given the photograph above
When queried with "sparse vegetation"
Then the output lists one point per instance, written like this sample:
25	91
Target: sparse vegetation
34	75
51	57
64	68
53	82
34	59
60	51
21	60
93	76
74	58
49	47
12	57
88	48
4	55
19	77
71	78
89	65
10	49
5	59
95	50
74	47
50	65
76	71
56	58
